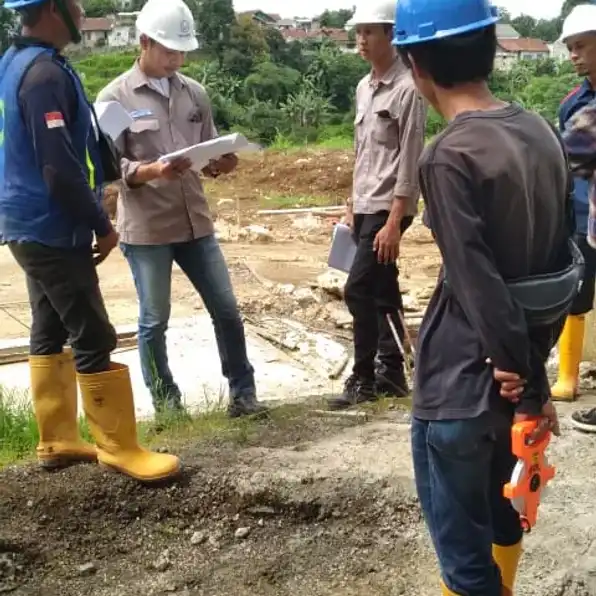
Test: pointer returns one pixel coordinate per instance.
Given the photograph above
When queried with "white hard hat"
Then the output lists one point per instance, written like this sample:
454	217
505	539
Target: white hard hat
373	13
582	19
170	23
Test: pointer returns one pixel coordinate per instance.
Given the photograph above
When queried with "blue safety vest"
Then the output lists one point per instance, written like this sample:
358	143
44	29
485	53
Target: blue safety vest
580	97
27	212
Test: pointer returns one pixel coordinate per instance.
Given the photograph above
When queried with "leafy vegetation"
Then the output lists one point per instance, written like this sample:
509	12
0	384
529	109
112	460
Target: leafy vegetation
296	94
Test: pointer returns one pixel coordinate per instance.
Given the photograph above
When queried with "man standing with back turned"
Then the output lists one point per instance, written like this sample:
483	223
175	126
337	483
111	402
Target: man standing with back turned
496	192
163	214
389	137
50	210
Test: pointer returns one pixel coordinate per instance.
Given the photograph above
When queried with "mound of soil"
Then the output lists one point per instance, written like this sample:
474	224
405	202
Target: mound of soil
223	528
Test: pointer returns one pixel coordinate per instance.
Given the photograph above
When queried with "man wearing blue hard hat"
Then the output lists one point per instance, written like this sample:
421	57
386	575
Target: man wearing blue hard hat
53	161
496	192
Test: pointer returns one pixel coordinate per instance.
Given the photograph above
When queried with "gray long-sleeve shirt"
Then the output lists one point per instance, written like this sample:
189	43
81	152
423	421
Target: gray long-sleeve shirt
494	185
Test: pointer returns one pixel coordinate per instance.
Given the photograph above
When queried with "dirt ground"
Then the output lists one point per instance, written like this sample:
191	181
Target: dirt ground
291	506
301	506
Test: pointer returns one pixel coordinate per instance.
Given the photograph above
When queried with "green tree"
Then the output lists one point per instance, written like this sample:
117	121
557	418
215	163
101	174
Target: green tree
524	25
214	20
270	82
336	19
100	8
505	15
246	47
8	25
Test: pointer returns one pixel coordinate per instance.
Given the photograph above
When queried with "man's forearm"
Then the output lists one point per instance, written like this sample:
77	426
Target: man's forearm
144	173
398	210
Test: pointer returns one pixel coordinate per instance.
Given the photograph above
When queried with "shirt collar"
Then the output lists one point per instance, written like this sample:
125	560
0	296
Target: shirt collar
139	79
394	72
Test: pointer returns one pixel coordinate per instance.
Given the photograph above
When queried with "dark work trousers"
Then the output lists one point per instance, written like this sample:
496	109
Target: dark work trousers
372	292
66	304
584	301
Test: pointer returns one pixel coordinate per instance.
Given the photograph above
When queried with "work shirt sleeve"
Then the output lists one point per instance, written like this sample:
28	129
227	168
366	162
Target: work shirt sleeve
473	278
128	166
411	125
48	105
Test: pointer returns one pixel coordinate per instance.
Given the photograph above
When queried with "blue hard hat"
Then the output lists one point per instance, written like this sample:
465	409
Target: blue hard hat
419	21
16	4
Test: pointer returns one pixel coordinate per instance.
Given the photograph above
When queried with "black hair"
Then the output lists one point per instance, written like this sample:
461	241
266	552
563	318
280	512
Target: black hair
452	61
31	15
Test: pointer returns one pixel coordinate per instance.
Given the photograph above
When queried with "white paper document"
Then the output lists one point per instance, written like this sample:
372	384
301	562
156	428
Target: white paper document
113	119
203	153
343	248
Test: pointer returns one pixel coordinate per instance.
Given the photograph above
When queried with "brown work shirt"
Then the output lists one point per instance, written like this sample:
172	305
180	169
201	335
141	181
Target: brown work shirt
389	138
161	211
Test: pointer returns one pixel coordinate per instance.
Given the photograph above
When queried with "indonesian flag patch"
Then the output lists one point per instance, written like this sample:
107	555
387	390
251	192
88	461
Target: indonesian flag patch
54	120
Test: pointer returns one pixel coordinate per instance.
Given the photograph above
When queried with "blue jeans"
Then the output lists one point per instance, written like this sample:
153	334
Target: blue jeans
203	263
461	467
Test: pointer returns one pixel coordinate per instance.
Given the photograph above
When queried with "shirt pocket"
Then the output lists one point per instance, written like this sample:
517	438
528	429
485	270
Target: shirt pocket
145	139
385	130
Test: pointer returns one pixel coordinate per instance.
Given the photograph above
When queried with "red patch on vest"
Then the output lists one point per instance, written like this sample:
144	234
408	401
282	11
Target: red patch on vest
54	119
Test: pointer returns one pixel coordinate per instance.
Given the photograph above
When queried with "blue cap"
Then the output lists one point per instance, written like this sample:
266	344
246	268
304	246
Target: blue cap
419	21
16	4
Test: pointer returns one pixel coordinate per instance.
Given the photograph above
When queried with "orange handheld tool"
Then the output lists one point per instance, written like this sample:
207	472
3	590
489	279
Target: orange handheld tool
531	473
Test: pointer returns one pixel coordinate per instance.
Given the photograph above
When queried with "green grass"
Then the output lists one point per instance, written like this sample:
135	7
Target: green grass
19	435
292	201
335	143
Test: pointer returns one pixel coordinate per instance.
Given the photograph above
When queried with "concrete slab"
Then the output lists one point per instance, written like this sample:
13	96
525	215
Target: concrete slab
195	364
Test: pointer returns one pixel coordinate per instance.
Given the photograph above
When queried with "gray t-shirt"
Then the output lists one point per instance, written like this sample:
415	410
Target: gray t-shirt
494	186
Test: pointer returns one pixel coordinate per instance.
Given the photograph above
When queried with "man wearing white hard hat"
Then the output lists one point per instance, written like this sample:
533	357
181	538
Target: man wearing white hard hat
163	214
389	138
579	34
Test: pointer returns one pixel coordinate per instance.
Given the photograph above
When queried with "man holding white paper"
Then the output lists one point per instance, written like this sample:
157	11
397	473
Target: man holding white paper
163	214
389	138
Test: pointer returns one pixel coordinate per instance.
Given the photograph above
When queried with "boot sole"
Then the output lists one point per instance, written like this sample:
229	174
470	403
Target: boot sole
65	461
172	476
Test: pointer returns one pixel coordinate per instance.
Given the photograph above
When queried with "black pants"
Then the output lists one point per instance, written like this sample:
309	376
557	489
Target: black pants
66	305
372	292
584	301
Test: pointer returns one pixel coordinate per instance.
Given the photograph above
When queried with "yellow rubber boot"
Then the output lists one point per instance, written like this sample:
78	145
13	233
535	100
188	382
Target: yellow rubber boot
571	344
109	405
445	591
507	558
54	392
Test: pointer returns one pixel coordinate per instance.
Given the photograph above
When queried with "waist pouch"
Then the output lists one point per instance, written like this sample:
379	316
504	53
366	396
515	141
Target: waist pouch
547	298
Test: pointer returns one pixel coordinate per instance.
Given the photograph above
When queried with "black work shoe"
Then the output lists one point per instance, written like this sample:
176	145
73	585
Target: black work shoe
356	391
391	382
584	420
246	405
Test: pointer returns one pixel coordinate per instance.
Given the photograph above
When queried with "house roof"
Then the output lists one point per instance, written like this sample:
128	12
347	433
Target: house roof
97	24
285	23
523	44
260	15
338	35
505	31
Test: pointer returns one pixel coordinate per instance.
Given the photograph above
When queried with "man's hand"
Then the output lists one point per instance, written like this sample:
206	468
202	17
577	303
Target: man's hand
512	385
348	218
224	165
386	243
104	246
548	421
172	169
